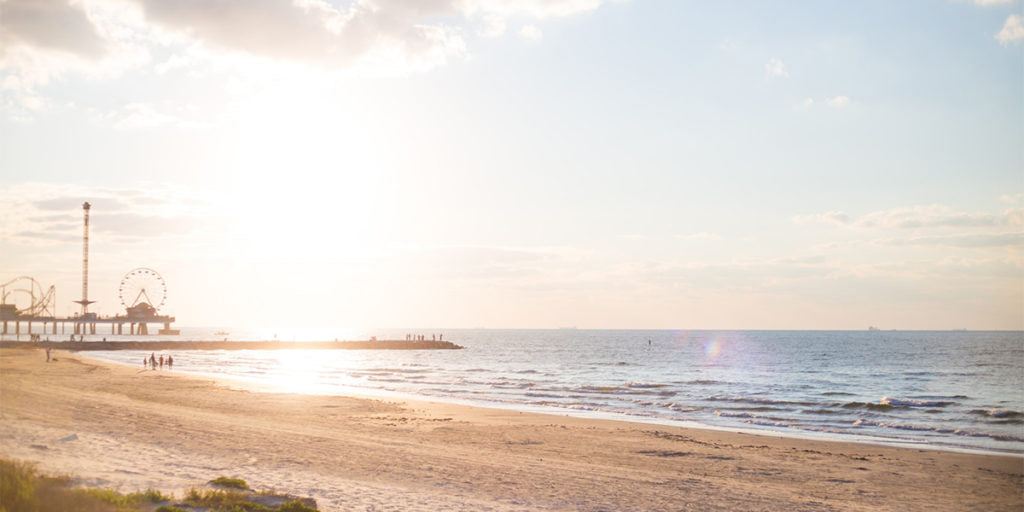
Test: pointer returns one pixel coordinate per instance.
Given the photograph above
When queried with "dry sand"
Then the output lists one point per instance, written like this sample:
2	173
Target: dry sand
132	429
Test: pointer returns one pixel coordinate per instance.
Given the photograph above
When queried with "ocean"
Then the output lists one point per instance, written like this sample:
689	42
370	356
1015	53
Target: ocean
958	390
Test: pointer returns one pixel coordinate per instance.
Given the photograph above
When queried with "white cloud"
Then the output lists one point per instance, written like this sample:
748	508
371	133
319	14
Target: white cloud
834	217
776	69
729	45
539	9
992	2
1011	198
51	25
142	116
43	40
963	240
493	26
419	33
1013	30
838	101
46	214
700	236
531	32
921	217
808	102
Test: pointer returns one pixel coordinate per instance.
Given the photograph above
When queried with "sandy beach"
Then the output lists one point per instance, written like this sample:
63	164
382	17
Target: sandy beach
132	429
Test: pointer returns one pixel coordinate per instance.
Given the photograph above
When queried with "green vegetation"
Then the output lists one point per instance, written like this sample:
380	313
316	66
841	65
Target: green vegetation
229	483
294	506
23	489
219	500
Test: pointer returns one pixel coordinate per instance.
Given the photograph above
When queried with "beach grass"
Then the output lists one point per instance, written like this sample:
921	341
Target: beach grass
24	489
229	483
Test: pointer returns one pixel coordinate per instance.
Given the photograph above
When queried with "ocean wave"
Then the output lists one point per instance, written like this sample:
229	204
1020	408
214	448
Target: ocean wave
777	424
506	384
868	405
386	370
534	394
623	390
682	408
939	430
727	414
821	411
1014	421
756	408
644	385
766	401
600	389
909	402
998	413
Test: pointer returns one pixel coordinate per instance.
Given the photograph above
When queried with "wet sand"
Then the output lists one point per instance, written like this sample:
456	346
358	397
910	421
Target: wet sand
132	429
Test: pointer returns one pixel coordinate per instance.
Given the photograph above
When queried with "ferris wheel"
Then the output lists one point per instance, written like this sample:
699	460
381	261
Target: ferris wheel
142	286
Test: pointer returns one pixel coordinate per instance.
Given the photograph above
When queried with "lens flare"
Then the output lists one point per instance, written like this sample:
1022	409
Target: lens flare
713	347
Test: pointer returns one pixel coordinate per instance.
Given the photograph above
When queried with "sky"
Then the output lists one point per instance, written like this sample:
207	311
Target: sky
521	164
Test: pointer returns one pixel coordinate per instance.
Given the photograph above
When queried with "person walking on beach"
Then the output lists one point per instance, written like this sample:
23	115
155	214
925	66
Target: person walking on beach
152	360
161	362
145	362
170	362
47	354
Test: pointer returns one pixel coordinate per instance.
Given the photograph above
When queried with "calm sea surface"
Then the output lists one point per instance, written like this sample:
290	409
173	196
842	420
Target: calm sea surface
956	390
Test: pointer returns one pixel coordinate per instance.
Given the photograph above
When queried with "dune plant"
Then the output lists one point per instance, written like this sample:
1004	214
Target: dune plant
294	506
24	489
17	486
229	483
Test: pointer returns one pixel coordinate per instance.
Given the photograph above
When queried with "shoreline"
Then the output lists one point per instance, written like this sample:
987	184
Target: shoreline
355	452
257	385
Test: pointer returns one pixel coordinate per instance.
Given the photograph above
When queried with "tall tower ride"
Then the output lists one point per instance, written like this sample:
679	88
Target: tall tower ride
85	263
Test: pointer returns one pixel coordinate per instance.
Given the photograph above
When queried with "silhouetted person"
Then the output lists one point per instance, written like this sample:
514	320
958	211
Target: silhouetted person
47	354
170	362
152	360
161	362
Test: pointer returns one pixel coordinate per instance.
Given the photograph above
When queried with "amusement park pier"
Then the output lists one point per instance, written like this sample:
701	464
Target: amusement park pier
137	321
142	292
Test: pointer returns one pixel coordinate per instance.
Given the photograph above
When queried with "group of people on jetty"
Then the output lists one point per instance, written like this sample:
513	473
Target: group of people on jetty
152	361
423	337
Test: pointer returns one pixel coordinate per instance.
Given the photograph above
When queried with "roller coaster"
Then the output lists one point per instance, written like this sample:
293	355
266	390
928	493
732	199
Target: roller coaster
41	303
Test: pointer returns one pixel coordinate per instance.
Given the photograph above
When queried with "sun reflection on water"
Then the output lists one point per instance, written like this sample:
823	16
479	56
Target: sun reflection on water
298	371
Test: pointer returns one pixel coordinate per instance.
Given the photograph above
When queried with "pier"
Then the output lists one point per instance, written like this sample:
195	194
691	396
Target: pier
11	321
142	292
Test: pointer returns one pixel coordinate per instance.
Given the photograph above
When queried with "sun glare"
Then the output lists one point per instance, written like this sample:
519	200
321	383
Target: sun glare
303	172
298	371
